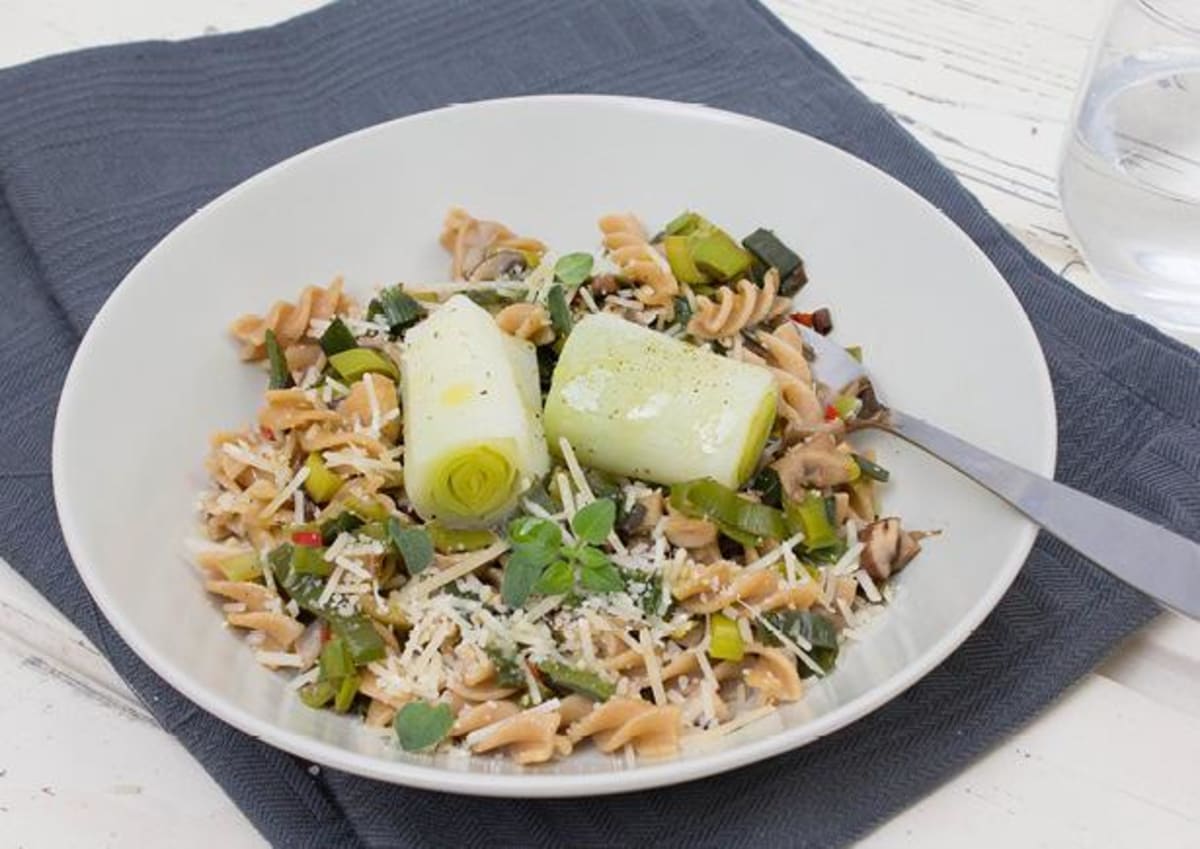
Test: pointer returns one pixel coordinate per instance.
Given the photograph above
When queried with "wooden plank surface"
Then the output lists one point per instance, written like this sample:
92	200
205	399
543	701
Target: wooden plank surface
987	85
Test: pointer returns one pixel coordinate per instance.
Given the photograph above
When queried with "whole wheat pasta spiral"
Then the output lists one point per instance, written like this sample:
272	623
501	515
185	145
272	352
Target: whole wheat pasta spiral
528	737
527	321
653	731
773	673
629	248
289	320
799	406
713	587
738	308
471	240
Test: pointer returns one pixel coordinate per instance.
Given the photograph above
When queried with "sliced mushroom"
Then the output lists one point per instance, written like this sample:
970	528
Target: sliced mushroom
644	515
605	284
887	548
498	266
689	532
814	464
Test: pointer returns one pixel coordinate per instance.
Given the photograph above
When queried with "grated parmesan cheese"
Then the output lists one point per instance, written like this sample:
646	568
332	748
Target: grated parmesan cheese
774	555
868	586
284	494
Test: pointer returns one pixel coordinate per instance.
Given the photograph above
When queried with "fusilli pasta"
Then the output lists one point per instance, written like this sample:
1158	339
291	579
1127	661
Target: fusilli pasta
738	308
528	321
471	240
289	320
629	248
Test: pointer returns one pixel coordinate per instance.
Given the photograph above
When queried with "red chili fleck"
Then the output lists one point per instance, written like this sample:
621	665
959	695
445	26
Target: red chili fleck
310	538
266	432
537	673
326	634
805	318
831	413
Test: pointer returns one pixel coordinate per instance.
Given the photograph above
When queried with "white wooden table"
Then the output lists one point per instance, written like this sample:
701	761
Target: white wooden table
985	84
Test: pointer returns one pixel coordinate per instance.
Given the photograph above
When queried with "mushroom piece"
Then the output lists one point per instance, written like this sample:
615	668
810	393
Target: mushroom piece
498	266
812	465
688	532
886	548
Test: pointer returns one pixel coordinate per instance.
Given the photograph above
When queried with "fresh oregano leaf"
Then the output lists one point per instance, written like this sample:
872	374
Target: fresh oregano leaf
420	725
595	522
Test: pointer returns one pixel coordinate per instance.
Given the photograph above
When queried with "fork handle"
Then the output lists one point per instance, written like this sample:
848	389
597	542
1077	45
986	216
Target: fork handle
1144	555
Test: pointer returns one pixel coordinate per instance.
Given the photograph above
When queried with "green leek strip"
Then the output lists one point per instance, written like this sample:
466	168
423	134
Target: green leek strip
679	257
871	470
337	338
361	638
577	680
846	405
346	692
321	483
457	540
335	660
241	567
725	640
804	626
307	560
635	402
317	694
472	433
399	309
717	255
811	517
770	252
280	376
352	365
342	523
683	224
367	509
560	313
708	499
305	590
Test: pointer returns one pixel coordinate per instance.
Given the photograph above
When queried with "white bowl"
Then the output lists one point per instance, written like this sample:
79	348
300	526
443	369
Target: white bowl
156	374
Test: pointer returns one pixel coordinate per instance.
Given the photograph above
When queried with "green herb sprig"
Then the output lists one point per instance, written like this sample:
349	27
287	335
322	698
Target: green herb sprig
542	563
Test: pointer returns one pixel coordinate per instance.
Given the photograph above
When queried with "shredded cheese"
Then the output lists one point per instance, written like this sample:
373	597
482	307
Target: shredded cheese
284	494
480	734
774	555
653	669
467	564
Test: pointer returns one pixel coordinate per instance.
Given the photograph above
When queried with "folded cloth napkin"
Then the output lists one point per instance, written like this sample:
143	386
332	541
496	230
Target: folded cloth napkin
103	152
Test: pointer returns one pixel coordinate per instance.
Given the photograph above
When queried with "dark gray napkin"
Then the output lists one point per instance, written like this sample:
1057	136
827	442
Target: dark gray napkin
103	152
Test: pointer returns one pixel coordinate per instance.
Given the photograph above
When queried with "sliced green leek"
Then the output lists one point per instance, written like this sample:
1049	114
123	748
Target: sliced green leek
241	567
307	560
679	257
353	364
717	255
635	402
724	638
710	500
581	681
472	430
321	483
811	516
455	540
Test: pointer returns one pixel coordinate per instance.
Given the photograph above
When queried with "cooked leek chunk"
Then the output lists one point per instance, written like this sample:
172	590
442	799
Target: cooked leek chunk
472	425
635	402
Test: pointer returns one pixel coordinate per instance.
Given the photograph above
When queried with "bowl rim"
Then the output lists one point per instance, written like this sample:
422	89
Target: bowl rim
534	784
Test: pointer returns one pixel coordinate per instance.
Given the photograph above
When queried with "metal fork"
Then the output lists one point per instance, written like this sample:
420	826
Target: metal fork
1148	557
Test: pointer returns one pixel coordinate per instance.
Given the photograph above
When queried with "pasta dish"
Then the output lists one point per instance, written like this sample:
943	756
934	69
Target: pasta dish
592	498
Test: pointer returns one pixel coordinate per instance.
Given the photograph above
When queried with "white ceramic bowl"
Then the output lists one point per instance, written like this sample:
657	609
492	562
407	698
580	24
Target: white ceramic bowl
157	373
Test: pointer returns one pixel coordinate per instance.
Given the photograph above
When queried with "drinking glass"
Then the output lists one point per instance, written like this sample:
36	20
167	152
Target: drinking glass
1130	175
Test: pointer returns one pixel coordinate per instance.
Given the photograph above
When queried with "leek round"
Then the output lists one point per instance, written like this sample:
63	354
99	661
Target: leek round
473	438
636	402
